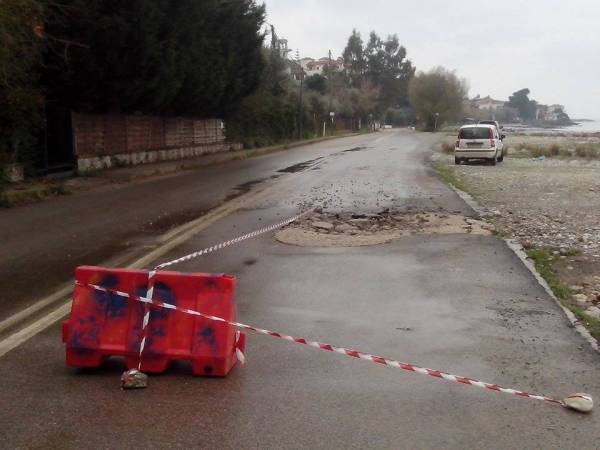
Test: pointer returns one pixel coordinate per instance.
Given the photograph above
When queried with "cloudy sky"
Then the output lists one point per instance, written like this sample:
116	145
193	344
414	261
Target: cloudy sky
550	46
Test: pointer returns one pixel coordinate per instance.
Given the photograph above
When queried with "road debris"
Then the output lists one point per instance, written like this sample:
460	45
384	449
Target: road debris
134	379
579	402
355	229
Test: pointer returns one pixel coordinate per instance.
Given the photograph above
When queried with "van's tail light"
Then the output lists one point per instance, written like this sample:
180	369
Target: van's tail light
491	135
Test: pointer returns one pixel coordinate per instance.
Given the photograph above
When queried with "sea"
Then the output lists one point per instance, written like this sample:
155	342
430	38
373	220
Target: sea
585	126
592	126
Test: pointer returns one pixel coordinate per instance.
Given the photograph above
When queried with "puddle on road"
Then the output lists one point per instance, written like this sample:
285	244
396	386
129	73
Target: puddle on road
300	166
355	149
357	229
244	188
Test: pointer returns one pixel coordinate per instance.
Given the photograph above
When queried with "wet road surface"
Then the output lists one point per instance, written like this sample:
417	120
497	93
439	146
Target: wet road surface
42	243
460	303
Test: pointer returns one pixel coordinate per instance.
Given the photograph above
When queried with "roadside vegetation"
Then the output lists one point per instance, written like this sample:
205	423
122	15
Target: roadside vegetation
567	148
31	193
546	264
214	58
530	146
448	176
437	96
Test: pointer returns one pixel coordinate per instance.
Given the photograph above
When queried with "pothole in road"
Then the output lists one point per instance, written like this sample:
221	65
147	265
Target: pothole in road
358	229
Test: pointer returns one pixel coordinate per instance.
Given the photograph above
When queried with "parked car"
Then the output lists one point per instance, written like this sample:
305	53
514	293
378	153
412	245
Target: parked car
499	127
481	141
492	122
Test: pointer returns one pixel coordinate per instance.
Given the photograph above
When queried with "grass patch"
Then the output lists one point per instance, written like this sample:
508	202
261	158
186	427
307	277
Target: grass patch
9	199
591	323
554	150
448	176
543	261
588	151
544	264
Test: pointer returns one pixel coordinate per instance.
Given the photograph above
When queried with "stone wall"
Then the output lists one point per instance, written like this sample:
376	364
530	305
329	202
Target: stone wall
102	141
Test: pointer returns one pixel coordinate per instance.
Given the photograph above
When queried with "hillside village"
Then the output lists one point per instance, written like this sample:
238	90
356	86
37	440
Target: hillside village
490	108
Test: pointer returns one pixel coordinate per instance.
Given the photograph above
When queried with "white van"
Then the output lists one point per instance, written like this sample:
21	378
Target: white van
479	142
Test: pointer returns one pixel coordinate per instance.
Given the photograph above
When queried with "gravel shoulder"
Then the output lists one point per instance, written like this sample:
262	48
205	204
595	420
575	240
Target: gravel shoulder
552	207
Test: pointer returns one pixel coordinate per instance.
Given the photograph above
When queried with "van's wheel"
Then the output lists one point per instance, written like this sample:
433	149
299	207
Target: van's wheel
457	160
493	161
501	158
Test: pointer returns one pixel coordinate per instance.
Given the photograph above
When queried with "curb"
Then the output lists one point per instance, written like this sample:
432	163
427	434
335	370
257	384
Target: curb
519	251
145	171
175	166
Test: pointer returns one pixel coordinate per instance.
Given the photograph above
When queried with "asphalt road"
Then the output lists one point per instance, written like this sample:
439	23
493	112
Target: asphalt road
460	303
42	243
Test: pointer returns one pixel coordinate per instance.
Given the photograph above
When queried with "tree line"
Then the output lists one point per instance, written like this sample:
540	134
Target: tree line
209	58
168	57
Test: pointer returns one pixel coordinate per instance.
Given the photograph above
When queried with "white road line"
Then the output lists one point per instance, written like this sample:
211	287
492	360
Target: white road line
27	312
28	332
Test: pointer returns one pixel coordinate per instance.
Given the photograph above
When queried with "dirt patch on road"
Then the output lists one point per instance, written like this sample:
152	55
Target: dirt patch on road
357	229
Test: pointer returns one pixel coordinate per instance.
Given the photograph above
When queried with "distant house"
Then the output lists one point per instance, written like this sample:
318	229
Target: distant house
556	112
541	112
487	103
317	66
550	113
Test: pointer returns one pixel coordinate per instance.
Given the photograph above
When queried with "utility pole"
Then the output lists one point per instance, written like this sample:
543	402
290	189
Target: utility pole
329	88
301	103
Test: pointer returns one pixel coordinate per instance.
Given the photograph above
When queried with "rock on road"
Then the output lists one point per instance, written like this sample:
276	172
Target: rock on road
462	303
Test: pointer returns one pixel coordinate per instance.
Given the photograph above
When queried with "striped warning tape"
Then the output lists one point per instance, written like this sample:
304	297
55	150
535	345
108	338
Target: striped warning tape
205	251
572	402
236	240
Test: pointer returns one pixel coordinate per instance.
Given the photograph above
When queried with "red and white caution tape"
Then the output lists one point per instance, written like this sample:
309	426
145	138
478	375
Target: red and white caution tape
579	402
146	319
236	240
205	251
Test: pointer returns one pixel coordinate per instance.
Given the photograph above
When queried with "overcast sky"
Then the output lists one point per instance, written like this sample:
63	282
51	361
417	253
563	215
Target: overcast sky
550	46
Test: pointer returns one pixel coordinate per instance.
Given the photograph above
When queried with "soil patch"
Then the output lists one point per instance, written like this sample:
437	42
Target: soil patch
359	229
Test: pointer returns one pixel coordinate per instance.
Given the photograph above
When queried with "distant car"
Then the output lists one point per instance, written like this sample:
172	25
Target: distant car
496	124
491	122
481	141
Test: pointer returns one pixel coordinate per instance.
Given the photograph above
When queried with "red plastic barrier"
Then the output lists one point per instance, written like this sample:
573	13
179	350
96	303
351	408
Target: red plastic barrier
104	324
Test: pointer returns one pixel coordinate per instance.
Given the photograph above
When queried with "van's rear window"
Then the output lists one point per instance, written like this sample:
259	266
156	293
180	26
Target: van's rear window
474	133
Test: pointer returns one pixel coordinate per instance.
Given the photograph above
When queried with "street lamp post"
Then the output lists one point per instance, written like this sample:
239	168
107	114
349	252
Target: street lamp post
436	121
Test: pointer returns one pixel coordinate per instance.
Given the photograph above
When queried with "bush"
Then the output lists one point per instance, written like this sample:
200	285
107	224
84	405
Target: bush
447	148
587	151
551	150
20	92
554	150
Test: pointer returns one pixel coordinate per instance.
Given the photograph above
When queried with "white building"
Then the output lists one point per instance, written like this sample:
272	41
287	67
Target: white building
313	66
487	103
